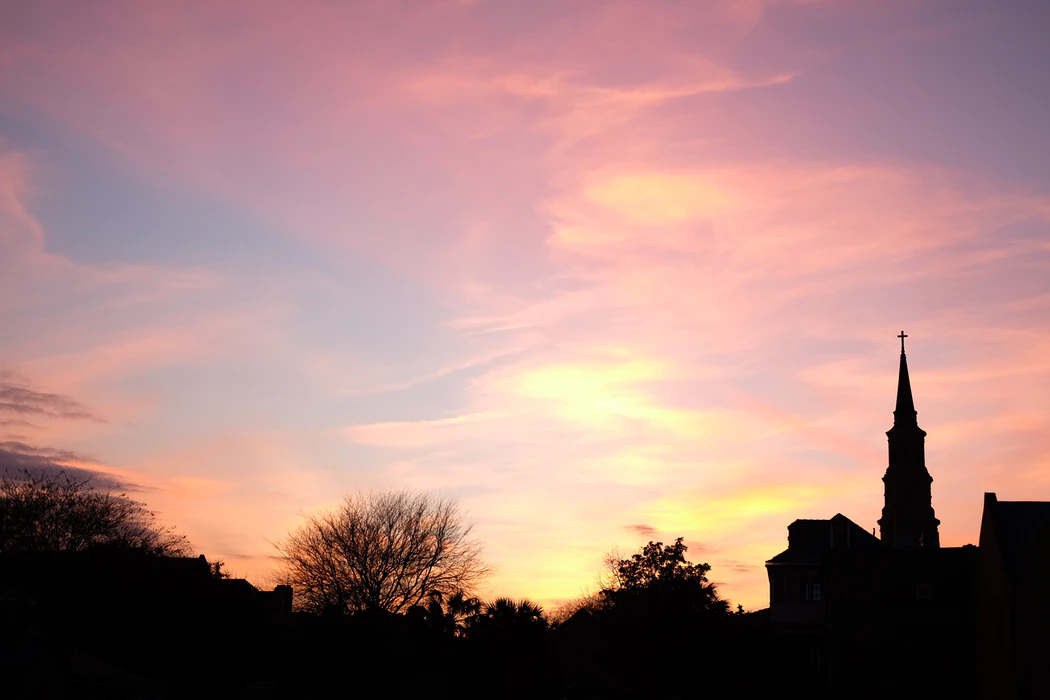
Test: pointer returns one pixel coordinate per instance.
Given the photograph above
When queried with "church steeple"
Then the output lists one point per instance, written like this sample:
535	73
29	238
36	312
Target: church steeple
905	410
907	517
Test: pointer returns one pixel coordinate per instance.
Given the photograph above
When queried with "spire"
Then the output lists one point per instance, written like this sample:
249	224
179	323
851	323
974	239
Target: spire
905	410
907	518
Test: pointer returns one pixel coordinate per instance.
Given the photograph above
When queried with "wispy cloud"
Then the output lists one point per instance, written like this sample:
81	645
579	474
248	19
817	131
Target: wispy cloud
641	529
18	460
424	433
16	396
47	453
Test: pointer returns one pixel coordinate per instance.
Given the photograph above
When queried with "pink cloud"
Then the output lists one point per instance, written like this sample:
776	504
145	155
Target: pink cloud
425	433
163	104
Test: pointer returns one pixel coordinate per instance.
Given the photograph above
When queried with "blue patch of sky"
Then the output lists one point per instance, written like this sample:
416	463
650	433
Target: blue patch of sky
96	213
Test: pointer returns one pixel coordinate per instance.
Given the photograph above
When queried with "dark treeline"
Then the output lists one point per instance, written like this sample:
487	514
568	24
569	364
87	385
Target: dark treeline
377	603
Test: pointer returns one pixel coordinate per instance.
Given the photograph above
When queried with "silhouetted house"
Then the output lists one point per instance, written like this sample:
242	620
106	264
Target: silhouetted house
106	621
798	594
1014	609
796	575
105	578
862	616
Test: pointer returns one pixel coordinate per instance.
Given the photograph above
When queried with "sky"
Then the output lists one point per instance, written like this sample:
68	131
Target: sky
604	272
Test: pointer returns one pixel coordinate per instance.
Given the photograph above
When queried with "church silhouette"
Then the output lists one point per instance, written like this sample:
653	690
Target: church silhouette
860	616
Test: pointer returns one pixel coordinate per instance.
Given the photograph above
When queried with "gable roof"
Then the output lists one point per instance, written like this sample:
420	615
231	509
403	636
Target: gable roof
809	540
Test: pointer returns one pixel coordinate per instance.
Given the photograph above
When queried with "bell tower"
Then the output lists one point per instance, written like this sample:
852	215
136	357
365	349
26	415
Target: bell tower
907	517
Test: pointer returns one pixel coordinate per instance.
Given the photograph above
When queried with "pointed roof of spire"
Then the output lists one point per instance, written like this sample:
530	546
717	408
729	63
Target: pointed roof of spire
905	410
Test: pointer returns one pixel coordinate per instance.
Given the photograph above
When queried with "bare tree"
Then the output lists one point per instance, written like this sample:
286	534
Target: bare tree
381	551
48	510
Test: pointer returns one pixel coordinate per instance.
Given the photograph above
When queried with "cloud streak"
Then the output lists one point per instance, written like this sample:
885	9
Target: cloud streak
16	459
17	397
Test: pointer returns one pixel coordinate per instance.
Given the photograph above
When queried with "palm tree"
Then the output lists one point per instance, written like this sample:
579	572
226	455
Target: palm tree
452	613
506	618
510	640
462	609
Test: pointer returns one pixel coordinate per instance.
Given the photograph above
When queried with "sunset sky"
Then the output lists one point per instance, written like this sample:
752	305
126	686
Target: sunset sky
605	272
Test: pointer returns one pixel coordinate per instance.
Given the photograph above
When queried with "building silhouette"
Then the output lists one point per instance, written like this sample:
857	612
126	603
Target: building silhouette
907	518
895	615
113	622
1014	599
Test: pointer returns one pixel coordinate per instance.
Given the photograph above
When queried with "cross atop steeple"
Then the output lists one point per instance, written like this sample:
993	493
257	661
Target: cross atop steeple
902	336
